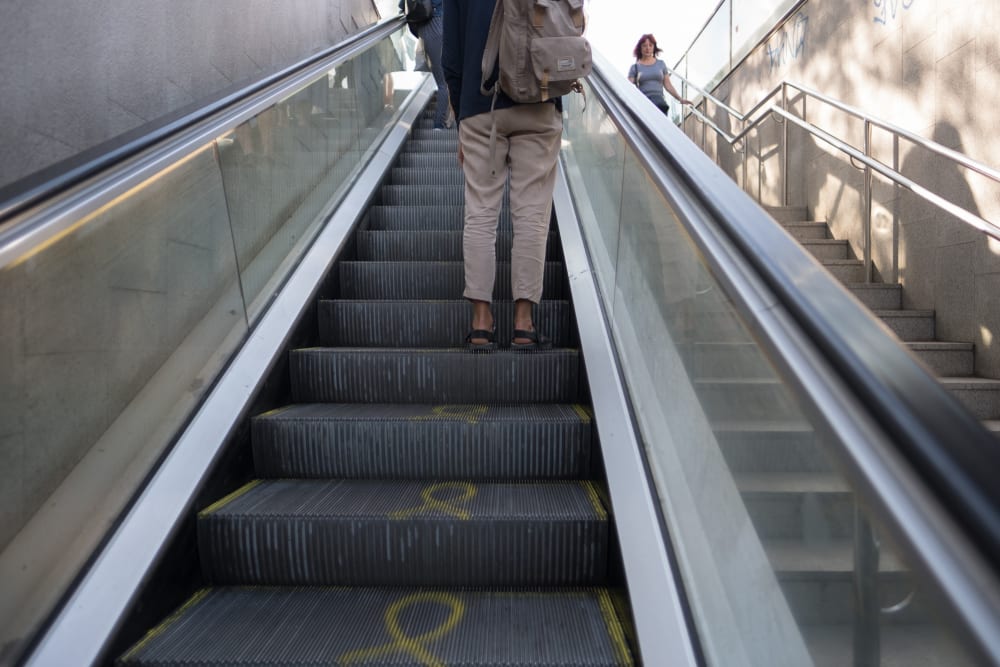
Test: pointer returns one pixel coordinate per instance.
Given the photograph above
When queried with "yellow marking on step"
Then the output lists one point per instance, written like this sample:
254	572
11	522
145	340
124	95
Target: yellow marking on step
162	627
219	504
595	499
414	645
614	627
447	506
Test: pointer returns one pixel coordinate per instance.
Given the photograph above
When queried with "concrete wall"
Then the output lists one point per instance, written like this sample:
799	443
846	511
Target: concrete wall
76	74
926	65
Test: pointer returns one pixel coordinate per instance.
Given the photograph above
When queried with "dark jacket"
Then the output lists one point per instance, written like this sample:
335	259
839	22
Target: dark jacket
466	25
436	7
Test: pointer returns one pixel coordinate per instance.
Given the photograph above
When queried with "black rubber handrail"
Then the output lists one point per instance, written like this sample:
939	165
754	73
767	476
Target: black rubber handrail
62	176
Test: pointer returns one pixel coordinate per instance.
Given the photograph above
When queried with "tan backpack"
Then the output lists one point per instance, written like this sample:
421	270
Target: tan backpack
541	49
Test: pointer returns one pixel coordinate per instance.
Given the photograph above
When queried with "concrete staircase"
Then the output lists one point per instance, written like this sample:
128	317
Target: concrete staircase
952	362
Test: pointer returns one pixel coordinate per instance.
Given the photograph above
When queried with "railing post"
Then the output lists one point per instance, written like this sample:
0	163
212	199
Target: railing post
784	147
867	203
867	640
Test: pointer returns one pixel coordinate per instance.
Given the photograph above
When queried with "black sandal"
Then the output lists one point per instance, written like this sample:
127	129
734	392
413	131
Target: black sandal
538	341
488	335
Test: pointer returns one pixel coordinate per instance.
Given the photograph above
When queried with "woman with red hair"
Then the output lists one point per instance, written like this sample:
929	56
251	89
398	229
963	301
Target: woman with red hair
649	73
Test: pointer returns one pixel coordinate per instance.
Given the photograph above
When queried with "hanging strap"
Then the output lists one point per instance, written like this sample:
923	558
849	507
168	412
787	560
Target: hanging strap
492	51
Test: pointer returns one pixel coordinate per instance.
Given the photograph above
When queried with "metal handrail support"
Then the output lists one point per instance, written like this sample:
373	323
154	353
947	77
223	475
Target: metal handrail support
987	227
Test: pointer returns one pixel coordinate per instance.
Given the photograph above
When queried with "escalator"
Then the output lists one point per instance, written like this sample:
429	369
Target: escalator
415	502
707	468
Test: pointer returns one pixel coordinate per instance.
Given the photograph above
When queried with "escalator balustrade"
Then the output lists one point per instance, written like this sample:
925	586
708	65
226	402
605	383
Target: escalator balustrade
415	503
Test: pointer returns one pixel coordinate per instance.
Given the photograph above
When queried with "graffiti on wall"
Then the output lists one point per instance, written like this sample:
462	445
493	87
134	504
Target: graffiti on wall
886	10
791	41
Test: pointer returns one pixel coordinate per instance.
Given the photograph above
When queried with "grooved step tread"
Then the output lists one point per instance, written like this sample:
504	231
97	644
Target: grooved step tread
383	533
385	626
403	441
396	500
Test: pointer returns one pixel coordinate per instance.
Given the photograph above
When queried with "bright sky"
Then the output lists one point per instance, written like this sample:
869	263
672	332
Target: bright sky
615	26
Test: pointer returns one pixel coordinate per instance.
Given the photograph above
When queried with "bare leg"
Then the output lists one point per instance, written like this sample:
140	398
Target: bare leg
482	319
523	319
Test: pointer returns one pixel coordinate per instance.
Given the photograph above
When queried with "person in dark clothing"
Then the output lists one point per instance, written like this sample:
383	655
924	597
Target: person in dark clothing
431	34
528	138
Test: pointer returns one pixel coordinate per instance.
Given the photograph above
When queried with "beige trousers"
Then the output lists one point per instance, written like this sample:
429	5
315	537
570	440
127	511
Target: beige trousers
527	144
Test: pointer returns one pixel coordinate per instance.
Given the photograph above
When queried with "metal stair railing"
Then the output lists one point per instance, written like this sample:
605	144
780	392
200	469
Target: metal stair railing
766	108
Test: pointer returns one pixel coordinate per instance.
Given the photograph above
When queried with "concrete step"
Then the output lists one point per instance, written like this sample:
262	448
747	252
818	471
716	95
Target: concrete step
980	395
823	249
768	446
846	270
817	579
730	359
798	505
878	296
915	645
746	399
808	230
909	325
788	213
946	359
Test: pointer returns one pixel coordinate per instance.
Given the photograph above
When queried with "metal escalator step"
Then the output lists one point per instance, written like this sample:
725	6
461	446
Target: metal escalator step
392	441
422	195
429	218
433	246
430	280
417	176
430	134
352	375
432	146
403	627
423	324
428	161
402	533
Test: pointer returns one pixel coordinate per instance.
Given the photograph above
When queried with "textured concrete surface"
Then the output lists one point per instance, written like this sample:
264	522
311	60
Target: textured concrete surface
928	67
73	76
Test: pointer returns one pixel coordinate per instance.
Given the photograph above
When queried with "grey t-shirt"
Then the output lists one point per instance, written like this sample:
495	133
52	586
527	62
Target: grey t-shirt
650	79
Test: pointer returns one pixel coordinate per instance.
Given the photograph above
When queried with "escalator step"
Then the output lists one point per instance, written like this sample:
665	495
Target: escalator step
417	176
430	280
429	161
404	627
426	218
432	246
422	195
402	533
432	146
356	375
430	134
427	323
353	441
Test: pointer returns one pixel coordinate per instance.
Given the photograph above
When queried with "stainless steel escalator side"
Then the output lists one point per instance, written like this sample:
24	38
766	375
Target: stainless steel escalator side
691	273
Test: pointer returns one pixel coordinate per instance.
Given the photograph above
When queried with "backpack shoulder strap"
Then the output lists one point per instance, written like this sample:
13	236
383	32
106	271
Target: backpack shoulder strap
492	51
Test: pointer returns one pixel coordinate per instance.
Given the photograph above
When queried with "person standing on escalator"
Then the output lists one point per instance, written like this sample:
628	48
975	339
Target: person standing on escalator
431	34
650	74
525	147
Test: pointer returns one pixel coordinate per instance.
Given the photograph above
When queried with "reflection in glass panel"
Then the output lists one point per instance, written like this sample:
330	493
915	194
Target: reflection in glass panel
708	57
752	19
596	153
112	332
284	166
771	544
